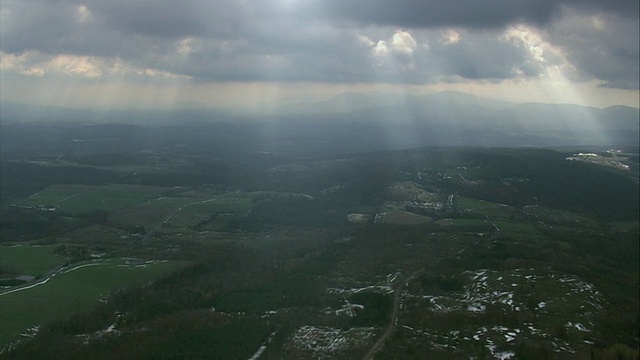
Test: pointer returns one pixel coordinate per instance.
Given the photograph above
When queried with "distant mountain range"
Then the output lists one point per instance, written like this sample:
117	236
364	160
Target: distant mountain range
350	102
452	118
360	122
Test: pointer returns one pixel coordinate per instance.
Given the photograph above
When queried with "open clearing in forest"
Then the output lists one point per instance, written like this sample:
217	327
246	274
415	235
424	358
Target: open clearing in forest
72	291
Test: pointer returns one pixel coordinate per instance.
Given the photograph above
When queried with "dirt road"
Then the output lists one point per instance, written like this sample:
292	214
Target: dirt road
394	316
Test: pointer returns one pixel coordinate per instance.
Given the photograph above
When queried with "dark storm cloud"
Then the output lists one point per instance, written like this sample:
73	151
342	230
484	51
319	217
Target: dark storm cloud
276	53
463	13
432	13
35	25
326	40
626	8
603	46
104	27
160	18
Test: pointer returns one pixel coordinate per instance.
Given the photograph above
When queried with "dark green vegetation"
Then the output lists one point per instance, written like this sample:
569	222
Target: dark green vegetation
515	251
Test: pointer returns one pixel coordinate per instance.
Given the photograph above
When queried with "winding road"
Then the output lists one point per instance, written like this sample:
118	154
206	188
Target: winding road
394	316
41	281
64	269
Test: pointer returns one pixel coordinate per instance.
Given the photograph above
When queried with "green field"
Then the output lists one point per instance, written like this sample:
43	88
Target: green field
467	224
482	208
227	203
82	198
559	216
625	226
277	195
28	260
171	202
71	292
516	228
223	204
466	203
194	213
402	218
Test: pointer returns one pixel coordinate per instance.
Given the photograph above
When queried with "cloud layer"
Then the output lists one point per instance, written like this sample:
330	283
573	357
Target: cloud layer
357	41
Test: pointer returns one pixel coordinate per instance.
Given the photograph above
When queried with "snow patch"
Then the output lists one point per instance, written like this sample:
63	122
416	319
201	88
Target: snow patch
504	355
324	341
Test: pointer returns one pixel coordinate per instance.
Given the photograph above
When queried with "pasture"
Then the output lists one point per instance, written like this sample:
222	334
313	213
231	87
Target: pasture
401	218
28	260
558	216
467	224
465	203
77	199
196	213
181	212
71	291
482	208
516	228
625	226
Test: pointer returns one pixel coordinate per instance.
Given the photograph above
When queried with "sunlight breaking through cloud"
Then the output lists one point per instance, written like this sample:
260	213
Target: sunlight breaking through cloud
36	64
521	46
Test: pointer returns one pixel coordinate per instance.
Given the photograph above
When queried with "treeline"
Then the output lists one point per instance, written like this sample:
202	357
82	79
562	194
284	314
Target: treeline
22	224
22	179
289	212
29	223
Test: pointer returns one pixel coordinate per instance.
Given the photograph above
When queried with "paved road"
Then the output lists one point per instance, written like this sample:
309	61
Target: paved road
60	268
40	281
394	317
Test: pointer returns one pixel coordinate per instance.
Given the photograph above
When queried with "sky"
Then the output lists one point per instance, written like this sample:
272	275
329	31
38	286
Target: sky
253	54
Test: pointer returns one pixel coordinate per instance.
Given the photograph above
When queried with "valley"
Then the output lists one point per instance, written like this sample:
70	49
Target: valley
436	252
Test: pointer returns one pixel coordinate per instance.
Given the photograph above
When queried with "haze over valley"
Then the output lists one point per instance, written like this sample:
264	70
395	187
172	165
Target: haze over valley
319	179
